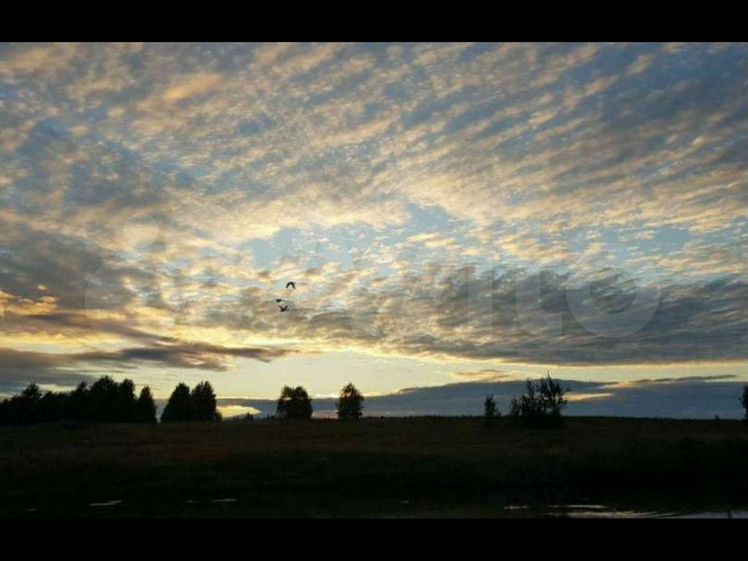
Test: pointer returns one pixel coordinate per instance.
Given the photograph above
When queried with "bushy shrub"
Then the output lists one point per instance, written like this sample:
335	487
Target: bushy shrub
542	404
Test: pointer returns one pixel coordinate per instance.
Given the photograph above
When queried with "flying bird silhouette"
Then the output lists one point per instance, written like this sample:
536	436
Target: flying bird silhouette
283	308
292	284
279	299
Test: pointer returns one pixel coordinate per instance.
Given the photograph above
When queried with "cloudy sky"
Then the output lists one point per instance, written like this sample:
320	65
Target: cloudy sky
450	213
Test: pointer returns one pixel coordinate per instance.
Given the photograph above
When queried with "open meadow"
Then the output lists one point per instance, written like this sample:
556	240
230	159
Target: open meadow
371	467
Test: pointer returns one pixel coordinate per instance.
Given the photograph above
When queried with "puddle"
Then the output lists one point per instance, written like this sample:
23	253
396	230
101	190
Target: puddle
717	514
106	503
585	507
226	500
603	511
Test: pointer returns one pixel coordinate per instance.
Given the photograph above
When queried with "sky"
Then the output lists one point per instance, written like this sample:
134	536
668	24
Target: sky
453	215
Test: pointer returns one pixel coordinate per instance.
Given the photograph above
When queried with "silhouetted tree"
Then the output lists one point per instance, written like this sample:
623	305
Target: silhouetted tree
125	402
29	404
350	403
77	403
542	404
552	397
294	403
7	412
490	410
204	403
179	406
32	407
52	407
32	393
145	407
104	400
25	408
744	401
196	405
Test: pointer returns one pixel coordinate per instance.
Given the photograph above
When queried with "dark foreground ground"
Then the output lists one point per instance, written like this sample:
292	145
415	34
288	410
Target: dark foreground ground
373	467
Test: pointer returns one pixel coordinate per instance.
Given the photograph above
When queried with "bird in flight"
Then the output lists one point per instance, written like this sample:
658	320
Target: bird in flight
279	299
291	284
283	308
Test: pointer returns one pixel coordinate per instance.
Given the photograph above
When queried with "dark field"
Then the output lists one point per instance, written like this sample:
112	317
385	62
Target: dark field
374	467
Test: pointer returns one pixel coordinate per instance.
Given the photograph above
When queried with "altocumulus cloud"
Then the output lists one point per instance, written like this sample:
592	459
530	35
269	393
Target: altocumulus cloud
152	196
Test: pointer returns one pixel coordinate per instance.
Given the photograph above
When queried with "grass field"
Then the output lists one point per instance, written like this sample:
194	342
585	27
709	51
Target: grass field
373	467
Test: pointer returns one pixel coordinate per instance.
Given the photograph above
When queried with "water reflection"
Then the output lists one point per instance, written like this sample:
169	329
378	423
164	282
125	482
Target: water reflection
106	503
408	507
603	511
728	514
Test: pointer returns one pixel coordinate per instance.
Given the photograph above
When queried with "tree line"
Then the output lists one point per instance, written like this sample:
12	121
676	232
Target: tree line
107	401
